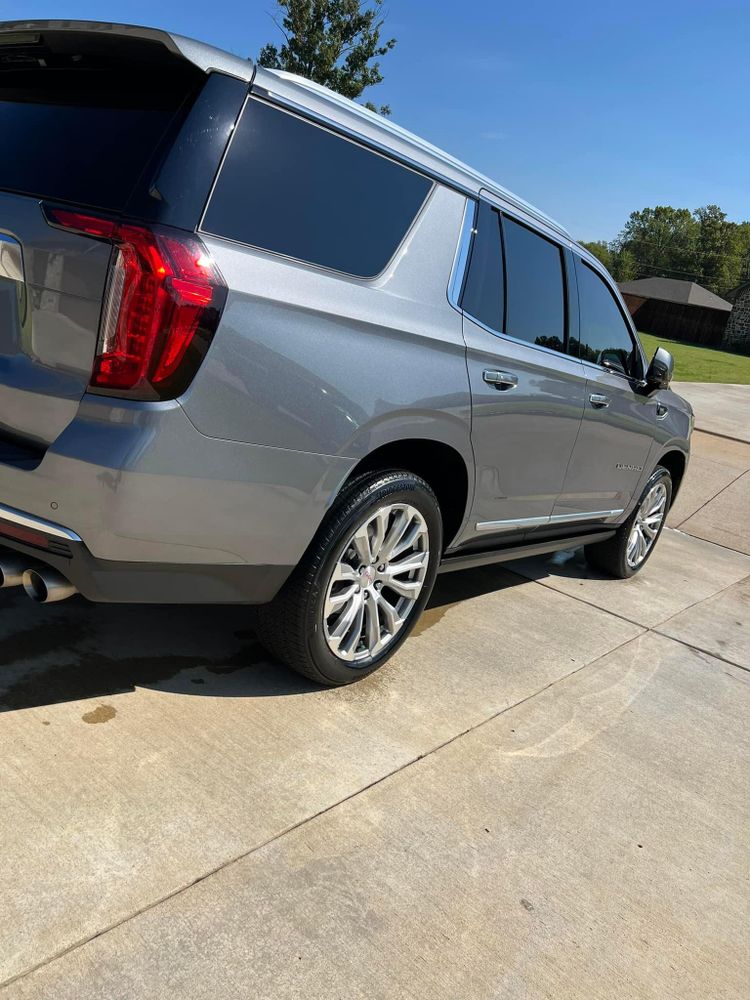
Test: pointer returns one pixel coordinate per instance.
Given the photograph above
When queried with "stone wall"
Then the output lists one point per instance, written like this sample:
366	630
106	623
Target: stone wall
737	333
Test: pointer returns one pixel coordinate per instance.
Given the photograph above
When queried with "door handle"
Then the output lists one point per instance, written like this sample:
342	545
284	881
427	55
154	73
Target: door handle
599	401
500	380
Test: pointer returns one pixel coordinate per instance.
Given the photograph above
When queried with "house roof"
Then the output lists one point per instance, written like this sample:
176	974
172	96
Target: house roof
685	293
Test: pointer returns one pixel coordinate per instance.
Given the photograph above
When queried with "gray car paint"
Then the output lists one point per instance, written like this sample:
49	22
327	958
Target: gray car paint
308	373
49	323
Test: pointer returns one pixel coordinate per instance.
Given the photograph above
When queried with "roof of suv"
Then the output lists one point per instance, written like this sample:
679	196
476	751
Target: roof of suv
306	95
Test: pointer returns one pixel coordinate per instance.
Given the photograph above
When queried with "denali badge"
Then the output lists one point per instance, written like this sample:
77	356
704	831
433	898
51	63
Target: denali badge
629	468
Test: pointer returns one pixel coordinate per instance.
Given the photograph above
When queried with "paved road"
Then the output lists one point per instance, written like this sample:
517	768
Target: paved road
719	409
545	795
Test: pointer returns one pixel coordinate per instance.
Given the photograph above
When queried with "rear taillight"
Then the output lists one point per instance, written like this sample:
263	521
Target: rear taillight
162	304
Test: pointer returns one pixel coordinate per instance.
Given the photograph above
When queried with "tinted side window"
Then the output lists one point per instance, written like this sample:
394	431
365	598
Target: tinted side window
605	337
484	291
296	189
535	287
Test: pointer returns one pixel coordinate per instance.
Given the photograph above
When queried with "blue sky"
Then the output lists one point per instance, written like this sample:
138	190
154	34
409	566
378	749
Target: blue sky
588	109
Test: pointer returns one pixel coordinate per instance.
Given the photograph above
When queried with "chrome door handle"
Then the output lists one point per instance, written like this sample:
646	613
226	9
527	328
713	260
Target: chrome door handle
500	380
661	411
599	401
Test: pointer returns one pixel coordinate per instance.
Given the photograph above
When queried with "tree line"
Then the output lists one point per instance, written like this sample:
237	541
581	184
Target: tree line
665	242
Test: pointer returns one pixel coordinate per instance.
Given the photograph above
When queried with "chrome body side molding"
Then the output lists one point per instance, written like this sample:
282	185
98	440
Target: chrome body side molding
534	522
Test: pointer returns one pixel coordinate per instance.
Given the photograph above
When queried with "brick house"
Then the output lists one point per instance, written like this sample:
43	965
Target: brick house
737	333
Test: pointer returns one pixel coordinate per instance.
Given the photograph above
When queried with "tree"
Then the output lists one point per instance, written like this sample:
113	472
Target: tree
334	42
662	241
624	265
601	250
716	249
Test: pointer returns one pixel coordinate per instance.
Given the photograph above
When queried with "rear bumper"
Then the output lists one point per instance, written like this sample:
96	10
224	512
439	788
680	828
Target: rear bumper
104	581
149	510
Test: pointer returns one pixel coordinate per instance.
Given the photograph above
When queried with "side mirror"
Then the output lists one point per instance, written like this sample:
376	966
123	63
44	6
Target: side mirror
660	371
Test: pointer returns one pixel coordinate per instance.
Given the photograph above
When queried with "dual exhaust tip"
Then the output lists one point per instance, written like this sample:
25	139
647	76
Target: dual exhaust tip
41	583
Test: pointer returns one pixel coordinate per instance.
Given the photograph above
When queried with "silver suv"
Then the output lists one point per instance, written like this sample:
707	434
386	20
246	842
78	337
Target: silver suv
259	345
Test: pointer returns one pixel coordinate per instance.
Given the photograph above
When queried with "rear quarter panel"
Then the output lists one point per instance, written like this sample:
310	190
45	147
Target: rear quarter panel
312	361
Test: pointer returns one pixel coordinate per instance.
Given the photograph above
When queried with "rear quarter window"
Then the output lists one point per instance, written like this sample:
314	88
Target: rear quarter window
294	188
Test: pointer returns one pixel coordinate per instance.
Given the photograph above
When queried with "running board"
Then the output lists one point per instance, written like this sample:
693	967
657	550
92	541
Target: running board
470	560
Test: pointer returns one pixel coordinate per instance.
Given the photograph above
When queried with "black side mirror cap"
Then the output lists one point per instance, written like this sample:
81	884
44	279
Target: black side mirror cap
661	369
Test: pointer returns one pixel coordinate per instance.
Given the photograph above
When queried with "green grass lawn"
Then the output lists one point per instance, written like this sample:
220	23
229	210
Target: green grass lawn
693	363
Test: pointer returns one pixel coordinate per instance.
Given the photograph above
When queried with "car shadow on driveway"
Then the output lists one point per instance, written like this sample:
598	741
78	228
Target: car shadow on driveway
76	651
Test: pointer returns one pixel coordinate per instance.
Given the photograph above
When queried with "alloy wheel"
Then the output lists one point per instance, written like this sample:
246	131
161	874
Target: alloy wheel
648	521
376	582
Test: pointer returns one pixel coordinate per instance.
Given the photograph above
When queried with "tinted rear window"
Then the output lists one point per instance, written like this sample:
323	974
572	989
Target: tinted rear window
484	292
536	290
84	127
296	189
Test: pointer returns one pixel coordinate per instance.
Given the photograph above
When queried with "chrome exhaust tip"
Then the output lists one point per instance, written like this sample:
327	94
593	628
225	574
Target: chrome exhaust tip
46	586
11	571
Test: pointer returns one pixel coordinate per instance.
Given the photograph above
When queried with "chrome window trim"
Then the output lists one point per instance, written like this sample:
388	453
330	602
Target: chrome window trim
460	265
532	522
36	524
11	258
320	123
461	259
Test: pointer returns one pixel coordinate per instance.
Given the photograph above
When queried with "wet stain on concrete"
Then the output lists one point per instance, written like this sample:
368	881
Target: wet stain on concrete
453	589
87	675
102	713
431	617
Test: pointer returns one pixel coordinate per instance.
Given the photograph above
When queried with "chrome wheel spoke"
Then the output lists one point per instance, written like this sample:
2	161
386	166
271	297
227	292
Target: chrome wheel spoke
334	602
372	625
405	588
344	573
361	542
392	620
341	636
396	535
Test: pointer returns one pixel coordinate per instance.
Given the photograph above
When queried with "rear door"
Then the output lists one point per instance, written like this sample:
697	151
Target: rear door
527	393
617	433
82	115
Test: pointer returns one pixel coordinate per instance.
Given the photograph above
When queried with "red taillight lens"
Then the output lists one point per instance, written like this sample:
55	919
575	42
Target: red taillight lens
162	305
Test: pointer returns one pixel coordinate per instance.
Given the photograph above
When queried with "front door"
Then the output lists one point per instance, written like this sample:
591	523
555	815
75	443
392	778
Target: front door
617	433
527	393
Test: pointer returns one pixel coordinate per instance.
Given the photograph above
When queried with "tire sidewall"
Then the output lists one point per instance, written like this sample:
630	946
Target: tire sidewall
393	487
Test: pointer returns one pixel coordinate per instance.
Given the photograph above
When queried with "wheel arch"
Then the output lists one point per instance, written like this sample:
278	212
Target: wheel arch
675	462
441	465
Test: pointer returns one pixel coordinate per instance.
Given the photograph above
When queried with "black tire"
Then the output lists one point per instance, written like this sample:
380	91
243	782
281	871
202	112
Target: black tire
611	556
291	627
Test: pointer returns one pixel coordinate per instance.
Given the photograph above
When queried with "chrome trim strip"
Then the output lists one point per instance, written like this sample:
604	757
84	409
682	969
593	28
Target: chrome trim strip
37	524
531	522
585	515
462	254
11	258
518	522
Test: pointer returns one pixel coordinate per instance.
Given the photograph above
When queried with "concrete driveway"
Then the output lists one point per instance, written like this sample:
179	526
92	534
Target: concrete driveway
545	795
